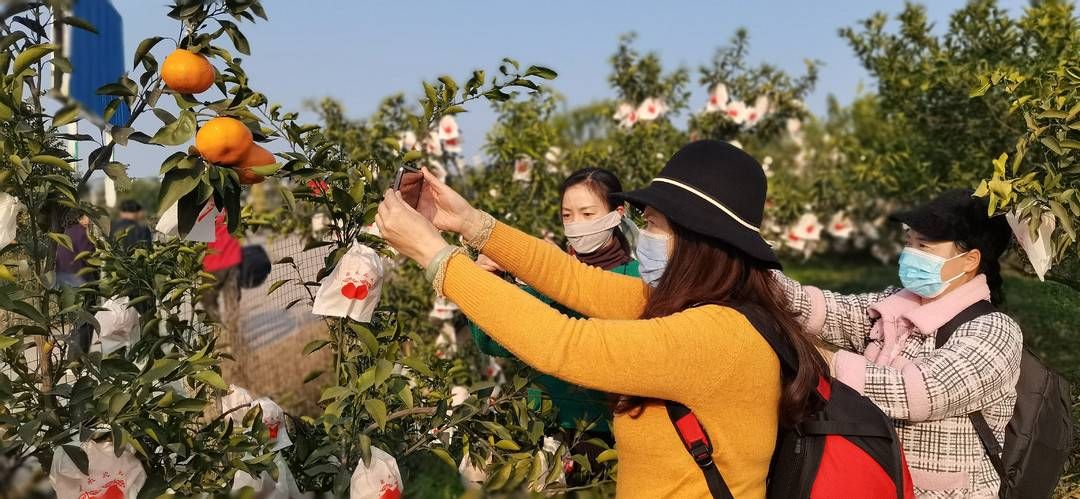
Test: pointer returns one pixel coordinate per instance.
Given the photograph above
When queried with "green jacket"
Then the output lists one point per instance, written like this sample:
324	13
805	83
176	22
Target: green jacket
573	402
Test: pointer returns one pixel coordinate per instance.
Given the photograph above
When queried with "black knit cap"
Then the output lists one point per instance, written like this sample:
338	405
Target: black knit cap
714	189
957	215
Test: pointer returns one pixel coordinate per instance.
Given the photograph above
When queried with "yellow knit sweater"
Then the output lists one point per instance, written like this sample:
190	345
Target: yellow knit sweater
709	358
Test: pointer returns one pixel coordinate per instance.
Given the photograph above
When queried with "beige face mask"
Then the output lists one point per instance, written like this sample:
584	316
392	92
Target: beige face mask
591	235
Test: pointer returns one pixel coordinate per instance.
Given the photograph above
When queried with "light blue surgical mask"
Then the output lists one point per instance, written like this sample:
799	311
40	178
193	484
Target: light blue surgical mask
920	272
652	256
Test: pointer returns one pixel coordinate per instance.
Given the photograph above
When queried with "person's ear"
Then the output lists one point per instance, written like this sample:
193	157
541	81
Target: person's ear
972	260
621	209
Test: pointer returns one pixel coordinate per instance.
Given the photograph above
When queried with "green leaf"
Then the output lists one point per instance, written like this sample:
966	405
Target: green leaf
211	378
542	72
7	342
116	89
377	409
80	23
1052	144
78	456
1052	114
62	239
608	455
1063	217
311	376
31	55
175	185
366	337
445	456
117	402
334	393
144	48
66	114
160	369
48	159
412	156
238	39
277	284
981	89
315	346
383	369
508	445
177	132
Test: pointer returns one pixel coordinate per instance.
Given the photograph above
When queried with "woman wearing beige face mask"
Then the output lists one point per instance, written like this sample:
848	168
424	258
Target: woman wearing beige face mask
597	235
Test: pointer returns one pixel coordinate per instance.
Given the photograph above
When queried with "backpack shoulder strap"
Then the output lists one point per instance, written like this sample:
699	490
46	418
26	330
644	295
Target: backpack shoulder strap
982	428
699	446
689	428
969	314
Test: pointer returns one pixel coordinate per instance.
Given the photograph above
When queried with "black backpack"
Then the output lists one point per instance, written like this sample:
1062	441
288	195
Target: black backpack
254	266
847	449
1039	434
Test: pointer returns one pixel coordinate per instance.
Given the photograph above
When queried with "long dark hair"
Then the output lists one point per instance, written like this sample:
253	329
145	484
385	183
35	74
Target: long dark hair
703	270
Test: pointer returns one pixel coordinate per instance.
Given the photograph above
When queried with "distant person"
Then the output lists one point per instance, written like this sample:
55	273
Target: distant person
131	220
67	268
222	259
67	273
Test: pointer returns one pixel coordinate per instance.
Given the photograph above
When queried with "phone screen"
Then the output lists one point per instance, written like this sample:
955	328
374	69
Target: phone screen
409	183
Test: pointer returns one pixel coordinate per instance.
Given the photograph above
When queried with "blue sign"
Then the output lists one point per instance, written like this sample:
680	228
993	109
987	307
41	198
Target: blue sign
97	58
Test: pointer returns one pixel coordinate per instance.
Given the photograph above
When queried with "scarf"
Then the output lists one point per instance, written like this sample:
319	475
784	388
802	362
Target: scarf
611	255
902	314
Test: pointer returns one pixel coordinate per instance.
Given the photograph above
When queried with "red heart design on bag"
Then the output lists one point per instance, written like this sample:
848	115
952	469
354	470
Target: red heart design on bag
354	292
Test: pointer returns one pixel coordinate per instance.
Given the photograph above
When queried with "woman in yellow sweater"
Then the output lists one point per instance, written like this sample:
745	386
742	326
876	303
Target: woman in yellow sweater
673	339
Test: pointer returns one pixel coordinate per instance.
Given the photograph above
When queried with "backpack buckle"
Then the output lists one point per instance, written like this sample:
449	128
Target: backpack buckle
702	453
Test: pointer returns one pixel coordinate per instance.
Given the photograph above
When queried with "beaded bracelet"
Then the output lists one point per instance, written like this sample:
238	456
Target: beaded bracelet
487	225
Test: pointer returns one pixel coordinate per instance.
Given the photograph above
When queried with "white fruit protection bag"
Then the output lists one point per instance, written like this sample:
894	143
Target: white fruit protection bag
265	487
110	477
352	289
379	480
201	232
9	213
119	324
1039	251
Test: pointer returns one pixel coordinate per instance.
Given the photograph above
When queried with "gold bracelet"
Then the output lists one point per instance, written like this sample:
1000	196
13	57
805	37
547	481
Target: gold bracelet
487	225
440	272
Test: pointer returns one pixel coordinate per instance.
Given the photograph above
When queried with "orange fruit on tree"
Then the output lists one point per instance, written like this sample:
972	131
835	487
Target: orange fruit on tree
186	72
257	155
224	141
248	177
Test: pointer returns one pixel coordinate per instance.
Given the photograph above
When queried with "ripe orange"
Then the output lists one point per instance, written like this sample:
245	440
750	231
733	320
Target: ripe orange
248	177
257	155
186	72
224	141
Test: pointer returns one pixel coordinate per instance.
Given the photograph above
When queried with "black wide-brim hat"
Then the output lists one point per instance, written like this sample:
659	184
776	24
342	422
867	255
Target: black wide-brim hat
714	189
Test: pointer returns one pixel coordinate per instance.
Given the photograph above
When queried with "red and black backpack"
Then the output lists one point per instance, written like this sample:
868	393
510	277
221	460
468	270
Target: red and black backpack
847	449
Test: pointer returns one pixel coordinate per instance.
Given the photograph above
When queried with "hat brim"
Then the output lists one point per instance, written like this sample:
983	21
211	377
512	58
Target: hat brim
926	223
703	218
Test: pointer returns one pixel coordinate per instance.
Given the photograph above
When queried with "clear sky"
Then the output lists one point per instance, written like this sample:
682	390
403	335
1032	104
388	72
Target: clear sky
360	51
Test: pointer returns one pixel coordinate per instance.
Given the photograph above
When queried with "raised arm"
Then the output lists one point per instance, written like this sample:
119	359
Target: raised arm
842	320
564	278
647	358
974	363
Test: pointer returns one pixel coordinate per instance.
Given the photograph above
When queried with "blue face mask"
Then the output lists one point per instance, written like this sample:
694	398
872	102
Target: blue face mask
652	255
920	272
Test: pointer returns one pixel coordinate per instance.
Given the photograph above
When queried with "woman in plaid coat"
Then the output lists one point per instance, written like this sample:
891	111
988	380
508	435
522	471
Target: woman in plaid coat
887	351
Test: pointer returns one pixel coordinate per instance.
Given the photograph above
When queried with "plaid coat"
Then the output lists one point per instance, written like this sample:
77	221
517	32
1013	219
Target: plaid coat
927	391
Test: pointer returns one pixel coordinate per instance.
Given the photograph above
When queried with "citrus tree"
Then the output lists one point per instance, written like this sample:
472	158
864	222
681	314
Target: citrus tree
152	397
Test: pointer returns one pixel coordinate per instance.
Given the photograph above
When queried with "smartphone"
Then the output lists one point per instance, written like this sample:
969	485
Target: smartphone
410	183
